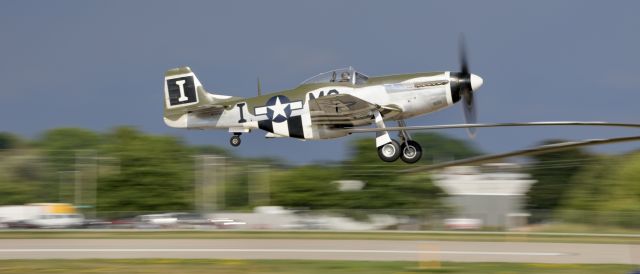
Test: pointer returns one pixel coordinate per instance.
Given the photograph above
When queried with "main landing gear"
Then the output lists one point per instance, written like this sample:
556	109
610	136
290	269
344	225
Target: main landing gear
408	150
235	140
389	152
411	152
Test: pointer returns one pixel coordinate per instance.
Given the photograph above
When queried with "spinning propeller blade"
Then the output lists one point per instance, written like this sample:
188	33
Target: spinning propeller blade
470	116
465	83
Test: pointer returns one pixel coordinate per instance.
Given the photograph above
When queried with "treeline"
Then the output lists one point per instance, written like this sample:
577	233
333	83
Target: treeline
126	171
121	170
576	186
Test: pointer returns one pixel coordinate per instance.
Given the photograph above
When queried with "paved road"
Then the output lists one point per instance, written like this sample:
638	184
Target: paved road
375	250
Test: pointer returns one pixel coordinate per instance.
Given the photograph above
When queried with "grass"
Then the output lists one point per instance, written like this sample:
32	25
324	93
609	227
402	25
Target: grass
181	266
387	235
582	228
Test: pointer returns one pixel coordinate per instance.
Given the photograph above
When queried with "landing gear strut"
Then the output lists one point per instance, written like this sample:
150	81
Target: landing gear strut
390	150
235	140
411	151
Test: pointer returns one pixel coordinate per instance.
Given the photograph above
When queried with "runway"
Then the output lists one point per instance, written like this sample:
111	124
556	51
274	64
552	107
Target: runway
371	250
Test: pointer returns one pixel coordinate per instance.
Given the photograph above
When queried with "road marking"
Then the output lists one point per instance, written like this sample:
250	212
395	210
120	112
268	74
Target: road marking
35	250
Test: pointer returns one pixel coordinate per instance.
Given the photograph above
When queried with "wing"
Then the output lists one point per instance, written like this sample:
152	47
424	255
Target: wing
344	110
528	124
529	151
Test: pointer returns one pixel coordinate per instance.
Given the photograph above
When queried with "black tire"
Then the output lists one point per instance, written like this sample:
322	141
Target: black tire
411	152
389	152
235	140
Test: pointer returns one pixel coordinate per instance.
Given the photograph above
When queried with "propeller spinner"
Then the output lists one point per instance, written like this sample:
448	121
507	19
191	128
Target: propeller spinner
463	84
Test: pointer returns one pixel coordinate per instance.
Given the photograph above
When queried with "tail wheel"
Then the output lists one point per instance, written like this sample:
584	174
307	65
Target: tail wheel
389	152
411	152
235	140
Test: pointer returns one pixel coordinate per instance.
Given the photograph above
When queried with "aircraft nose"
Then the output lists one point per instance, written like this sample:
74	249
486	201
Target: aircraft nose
476	82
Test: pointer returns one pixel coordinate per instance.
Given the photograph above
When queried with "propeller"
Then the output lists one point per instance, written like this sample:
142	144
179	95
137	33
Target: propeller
469	105
463	85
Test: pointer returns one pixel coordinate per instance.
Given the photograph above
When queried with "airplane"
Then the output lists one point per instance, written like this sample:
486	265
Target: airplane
338	103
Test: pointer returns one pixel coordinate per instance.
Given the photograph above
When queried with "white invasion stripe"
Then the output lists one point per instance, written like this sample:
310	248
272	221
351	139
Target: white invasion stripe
296	105
307	127
261	110
263	250
281	128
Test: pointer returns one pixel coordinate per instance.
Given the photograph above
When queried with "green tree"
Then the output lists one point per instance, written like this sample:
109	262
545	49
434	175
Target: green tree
439	148
606	193
9	141
210	150
409	195
386	189
553	172
308	187
63	146
22	178
364	164
155	174
250	177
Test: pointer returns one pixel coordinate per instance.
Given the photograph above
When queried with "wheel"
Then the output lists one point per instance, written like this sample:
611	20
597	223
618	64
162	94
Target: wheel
389	152
235	140
411	152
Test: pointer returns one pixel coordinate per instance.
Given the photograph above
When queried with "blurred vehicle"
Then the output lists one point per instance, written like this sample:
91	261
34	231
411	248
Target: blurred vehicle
123	223
162	220
41	215
192	220
177	220
96	223
463	223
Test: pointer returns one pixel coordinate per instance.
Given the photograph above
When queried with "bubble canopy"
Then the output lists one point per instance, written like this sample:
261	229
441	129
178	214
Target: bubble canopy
342	75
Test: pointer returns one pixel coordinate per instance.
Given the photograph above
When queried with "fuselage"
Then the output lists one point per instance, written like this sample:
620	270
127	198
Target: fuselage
290	113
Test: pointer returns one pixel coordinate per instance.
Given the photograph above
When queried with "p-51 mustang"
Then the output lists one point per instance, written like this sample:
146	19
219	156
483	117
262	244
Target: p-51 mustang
334	104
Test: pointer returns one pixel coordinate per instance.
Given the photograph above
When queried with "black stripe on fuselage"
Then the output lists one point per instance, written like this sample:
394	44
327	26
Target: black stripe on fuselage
295	127
266	125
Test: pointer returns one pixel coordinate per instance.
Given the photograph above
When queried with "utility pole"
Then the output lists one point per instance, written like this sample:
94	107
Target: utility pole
86	181
258	185
64	190
197	184
209	183
93	188
77	195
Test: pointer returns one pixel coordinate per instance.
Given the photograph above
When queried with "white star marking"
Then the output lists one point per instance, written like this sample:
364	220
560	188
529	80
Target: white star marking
278	108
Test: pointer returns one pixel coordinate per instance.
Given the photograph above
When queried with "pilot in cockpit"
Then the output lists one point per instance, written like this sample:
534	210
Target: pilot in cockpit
345	77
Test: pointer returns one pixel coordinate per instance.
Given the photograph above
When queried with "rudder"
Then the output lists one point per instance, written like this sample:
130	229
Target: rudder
181	88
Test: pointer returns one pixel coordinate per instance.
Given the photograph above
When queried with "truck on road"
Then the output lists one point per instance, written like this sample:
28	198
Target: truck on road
40	215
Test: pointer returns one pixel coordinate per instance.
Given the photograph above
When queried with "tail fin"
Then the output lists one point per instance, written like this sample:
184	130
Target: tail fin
183	92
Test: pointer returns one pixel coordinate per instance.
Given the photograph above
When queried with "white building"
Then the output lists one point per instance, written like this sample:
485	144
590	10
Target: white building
491	193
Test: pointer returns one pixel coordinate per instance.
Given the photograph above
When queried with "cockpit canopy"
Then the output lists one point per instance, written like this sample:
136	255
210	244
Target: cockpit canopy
343	75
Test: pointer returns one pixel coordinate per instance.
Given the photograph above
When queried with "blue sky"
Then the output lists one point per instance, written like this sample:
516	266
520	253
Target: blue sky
99	64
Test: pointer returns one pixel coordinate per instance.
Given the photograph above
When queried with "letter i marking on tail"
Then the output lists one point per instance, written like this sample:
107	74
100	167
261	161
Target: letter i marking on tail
183	97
